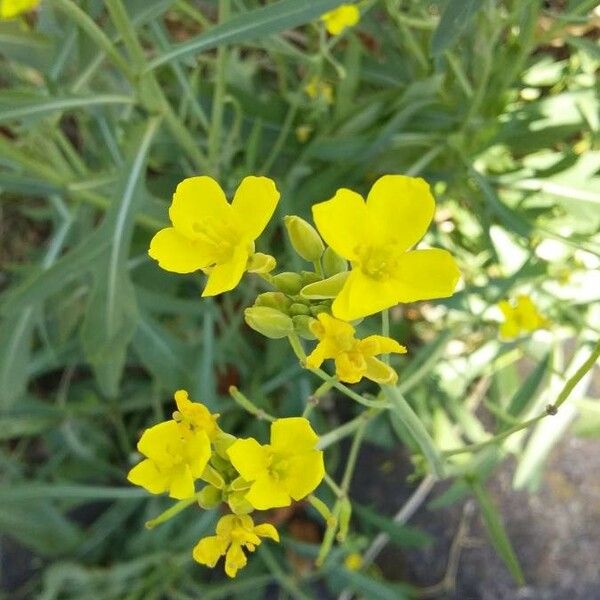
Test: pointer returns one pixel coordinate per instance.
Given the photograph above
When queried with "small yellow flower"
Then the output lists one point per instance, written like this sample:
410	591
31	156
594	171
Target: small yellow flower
13	8
234	534
303	132
376	237
173	460
353	561
210	234
289	467
346	15
316	89
194	416
521	316
354	359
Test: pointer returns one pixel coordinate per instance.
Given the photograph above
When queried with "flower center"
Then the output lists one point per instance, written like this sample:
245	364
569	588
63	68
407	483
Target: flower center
378	262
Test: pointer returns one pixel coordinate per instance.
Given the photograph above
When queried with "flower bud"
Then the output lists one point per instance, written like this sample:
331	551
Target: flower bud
276	300
317	309
333	263
238	503
344	519
309	277
304	237
288	282
209	497
260	263
302	327
299	309
271	322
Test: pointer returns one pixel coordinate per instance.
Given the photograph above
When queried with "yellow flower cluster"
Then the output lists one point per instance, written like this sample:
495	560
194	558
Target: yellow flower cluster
339	19
13	8
375	238
242	473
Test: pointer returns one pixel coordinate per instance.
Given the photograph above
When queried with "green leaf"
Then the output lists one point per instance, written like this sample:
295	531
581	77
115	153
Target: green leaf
455	18
527	393
21	492
19	106
110	320
251	25
27	47
498	536
401	535
376	588
15	351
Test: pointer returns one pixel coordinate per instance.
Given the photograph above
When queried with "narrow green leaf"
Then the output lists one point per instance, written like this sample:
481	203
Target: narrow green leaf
455	18
376	588
250	25
498	536
20	492
20	106
23	46
527	393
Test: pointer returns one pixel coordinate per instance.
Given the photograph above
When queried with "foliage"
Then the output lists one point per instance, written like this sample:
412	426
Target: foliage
106	106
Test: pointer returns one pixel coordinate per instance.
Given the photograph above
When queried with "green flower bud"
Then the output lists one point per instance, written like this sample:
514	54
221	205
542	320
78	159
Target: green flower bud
271	322
304	237
309	277
316	309
325	289
288	282
260	263
344	519
238	503
333	263
209	497
299	309
302	327
222	442
277	300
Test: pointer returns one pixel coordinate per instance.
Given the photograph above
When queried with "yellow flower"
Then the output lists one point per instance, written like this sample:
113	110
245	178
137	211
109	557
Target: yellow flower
354	359
316	88
303	132
193	416
13	8
353	561
340	18
521	316
376	236
234	533
210	234
173	462
289	467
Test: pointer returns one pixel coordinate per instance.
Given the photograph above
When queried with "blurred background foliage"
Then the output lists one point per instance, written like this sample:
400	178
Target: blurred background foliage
106	106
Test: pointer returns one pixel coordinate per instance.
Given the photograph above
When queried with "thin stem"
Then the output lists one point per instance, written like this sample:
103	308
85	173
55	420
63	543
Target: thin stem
335	435
218	104
412	422
385	331
249	406
172	511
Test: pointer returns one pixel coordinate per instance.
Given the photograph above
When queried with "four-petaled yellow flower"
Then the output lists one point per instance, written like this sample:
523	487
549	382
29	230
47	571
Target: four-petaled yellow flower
289	467
13	8
194	416
234	533
376	237
210	234
354	359
521	316
316	88
346	15
174	460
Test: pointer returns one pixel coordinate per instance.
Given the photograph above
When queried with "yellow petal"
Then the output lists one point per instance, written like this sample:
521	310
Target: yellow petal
156	439
226	525
315	359
292	435
197	451
426	274
379	372
225	276
401	209
506	308
350	367
509	330
267	530
254	204
147	475
178	254
379	344
198	203
267	492
249	458
182	483
209	549
362	296
235	560
342	221
305	472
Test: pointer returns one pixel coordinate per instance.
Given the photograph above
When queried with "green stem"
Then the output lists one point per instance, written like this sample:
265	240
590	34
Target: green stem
218	104
339	433
385	331
247	404
412	422
550	409
172	511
